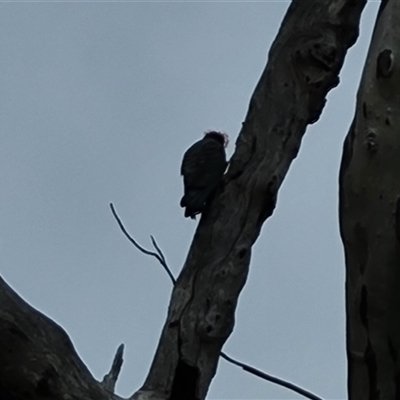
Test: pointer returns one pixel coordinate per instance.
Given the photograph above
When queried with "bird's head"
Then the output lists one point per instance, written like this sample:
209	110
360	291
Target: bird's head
221	137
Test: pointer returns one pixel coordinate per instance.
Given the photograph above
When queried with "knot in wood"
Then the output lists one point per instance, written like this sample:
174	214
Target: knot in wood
384	64
316	57
371	142
325	54
216	322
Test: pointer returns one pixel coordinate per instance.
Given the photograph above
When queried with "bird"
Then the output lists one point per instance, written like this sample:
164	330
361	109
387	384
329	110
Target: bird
203	167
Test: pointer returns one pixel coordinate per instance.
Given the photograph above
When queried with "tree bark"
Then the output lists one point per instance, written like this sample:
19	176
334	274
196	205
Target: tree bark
39	361
304	63
370	219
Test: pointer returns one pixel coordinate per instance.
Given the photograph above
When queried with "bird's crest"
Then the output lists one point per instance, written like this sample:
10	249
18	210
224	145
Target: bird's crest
223	134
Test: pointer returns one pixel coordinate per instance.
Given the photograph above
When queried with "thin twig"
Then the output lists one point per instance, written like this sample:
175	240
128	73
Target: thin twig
270	378
248	368
160	253
110	379
161	259
165	265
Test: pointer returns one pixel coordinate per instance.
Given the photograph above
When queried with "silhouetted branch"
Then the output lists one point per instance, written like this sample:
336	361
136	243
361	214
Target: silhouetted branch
37	358
160	253
161	259
110	379
270	378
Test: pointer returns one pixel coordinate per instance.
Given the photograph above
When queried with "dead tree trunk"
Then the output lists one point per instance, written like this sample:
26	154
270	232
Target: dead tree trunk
304	64
370	219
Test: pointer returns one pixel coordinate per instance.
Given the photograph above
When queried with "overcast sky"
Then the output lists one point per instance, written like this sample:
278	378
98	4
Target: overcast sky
98	102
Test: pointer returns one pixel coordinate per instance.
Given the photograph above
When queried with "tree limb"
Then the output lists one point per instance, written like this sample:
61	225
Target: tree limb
37	359
159	256
111	378
271	378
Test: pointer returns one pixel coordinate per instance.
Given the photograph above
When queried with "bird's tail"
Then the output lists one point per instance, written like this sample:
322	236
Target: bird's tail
194	201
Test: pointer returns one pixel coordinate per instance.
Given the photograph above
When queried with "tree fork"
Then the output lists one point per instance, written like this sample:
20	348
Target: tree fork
370	219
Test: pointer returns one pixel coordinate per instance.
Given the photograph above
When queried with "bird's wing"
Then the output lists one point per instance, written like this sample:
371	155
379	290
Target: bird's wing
203	164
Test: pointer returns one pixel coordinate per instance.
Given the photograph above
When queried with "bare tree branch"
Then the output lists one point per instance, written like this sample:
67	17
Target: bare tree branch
37	358
111	378
160	259
160	253
271	378
245	367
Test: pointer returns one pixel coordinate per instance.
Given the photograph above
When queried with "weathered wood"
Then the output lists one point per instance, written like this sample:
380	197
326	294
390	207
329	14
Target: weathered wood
37	358
109	380
370	219
304	63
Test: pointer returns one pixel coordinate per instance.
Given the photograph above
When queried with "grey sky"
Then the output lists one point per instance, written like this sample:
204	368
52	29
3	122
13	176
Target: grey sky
98	102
